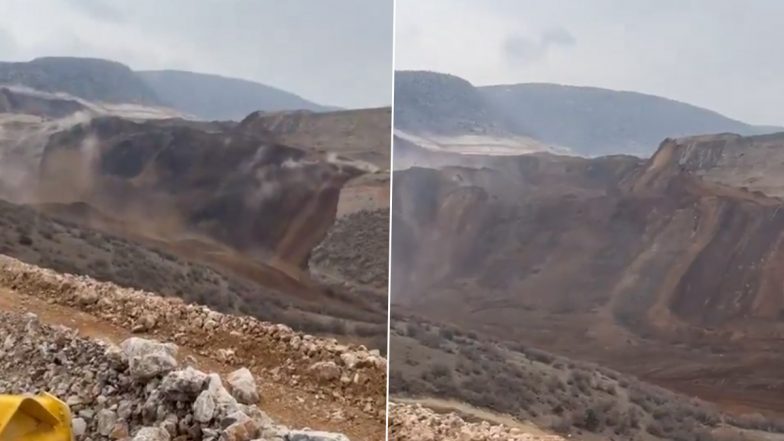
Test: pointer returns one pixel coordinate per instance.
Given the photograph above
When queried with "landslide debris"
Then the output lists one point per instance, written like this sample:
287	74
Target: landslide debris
135	390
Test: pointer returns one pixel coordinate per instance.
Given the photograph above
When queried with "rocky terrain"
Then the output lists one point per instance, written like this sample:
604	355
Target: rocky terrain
417	423
613	260
135	390
330	375
445	112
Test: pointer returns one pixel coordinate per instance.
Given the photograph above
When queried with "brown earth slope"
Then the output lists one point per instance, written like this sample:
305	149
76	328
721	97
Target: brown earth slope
668	268
240	203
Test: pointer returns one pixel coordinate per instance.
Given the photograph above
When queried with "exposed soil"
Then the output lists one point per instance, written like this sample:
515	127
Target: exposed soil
667	269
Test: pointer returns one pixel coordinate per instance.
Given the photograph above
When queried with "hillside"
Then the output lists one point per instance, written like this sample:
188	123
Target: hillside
612	260
217	213
440	104
88	78
445	112
214	97
197	95
587	121
501	388
595	121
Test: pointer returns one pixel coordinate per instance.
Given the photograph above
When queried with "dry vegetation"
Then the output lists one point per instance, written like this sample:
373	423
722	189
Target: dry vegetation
356	250
565	396
66	247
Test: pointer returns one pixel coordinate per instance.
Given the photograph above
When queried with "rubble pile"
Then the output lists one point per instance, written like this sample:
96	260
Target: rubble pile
136	391
346	372
409	422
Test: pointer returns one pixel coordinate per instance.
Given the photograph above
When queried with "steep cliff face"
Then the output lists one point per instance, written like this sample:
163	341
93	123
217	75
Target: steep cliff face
710	202
728	269
683	250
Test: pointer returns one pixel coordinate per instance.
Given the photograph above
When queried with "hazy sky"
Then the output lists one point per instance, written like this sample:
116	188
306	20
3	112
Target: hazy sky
336	52
725	55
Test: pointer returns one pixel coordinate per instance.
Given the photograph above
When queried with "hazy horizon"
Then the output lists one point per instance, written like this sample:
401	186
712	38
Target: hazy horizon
310	49
672	49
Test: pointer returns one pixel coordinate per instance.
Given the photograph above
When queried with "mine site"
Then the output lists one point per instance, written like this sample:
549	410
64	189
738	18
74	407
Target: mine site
189	255
583	250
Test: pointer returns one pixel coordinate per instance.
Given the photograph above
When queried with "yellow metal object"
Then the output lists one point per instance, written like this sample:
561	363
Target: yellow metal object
34	418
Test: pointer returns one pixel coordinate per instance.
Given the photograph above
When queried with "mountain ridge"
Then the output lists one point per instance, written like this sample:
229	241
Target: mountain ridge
588	121
205	96
221	97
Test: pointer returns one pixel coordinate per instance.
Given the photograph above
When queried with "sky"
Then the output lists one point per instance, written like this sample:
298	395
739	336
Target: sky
336	52
724	55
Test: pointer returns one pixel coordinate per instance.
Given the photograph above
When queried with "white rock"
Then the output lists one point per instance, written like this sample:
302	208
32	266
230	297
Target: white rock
152	434
148	358
243	386
79	426
204	407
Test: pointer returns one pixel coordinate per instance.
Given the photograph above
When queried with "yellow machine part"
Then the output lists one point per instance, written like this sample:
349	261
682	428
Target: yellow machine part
34	418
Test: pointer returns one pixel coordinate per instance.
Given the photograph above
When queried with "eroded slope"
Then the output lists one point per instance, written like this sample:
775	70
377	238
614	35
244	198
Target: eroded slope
627	262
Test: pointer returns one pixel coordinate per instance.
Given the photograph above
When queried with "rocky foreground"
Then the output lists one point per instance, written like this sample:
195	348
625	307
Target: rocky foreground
351	372
135	391
415	423
350	378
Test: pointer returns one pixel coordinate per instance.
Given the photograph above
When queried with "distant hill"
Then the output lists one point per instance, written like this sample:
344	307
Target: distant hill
446	113
210	97
88	78
217	97
441	104
597	121
587	120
